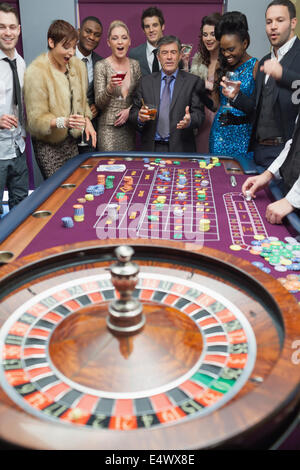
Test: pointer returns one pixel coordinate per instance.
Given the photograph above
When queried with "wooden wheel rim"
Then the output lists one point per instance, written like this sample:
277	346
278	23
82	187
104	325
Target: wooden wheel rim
189	434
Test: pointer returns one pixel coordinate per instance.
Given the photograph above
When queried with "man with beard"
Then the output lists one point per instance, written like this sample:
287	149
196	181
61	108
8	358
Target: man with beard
273	105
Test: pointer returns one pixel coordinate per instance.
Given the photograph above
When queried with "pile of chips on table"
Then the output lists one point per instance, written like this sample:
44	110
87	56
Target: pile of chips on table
283	256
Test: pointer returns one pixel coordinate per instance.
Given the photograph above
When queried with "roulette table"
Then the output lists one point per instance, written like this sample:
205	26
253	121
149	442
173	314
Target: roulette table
211	358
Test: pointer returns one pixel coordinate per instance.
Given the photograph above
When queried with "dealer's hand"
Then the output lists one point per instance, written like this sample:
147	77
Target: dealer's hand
277	210
255	183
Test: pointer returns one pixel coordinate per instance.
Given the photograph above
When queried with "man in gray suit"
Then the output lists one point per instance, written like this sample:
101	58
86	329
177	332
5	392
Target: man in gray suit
153	24
90	33
178	97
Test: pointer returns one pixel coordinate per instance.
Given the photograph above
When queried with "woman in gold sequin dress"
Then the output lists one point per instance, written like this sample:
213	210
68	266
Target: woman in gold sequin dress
113	95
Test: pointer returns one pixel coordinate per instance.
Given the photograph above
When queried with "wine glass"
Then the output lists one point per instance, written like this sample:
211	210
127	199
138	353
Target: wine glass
120	75
230	80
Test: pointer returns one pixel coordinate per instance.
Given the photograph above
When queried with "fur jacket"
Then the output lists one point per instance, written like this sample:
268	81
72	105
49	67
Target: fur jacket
48	94
198	68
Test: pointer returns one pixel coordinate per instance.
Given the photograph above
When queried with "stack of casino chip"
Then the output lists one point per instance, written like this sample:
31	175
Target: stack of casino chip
160	200
201	195
101	179
182	180
282	256
214	161
178	212
182	196
112	210
109	183
204	225
164	176
291	283
161	189
95	190
128	183
78	213
67	222
81	200
204	183
98	190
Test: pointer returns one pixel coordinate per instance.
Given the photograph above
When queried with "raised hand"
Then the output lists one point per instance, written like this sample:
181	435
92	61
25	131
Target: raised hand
185	122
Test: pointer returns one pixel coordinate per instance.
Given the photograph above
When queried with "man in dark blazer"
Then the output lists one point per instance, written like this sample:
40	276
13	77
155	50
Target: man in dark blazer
273	105
185	111
90	33
153	25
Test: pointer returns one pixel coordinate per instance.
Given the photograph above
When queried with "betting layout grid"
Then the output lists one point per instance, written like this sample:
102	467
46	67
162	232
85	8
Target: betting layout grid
176	200
165	200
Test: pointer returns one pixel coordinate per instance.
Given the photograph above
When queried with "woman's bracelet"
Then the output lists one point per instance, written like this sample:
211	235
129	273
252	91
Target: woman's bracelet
61	123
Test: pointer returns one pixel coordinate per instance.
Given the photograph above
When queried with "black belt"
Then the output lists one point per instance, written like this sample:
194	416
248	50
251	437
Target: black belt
275	141
229	119
162	142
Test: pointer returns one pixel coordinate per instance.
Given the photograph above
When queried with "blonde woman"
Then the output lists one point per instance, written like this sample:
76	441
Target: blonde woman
113	93
55	87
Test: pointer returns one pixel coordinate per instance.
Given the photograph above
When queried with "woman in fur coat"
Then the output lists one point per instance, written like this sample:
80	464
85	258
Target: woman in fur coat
55	86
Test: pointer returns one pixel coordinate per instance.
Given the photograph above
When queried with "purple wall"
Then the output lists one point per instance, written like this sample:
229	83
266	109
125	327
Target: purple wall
181	19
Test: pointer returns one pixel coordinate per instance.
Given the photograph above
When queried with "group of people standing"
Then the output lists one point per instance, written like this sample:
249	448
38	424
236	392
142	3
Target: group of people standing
70	91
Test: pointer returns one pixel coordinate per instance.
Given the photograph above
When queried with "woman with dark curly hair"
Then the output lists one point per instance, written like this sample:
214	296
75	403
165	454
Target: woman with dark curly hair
205	64
231	129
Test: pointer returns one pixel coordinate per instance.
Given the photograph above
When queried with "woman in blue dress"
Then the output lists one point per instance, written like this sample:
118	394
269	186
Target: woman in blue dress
231	129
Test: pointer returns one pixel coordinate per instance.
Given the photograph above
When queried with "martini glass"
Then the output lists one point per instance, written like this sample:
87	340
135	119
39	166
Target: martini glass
82	143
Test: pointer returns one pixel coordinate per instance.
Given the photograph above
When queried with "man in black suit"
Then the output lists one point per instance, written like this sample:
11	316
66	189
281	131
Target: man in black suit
179	104
153	24
273	105
90	33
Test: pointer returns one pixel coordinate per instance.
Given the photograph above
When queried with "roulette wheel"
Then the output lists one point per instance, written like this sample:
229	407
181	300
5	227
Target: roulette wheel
129	344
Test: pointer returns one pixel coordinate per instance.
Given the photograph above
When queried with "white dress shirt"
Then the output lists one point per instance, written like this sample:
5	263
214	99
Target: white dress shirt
281	52
89	64
293	196
150	55
10	138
